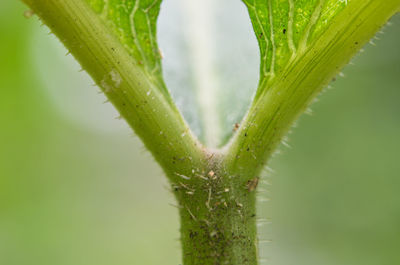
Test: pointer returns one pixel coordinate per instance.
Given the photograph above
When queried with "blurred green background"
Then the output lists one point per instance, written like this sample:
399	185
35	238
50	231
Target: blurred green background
76	188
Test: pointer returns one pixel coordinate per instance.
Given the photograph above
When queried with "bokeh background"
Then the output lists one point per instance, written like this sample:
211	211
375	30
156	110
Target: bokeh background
77	188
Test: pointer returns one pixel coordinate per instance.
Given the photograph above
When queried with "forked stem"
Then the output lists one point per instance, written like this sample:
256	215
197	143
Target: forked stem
215	190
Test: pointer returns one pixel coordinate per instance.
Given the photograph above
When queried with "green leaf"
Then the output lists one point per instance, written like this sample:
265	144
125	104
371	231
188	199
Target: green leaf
285	28
134	22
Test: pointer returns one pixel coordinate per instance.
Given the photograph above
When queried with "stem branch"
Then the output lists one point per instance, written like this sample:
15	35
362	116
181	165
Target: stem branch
283	98
151	114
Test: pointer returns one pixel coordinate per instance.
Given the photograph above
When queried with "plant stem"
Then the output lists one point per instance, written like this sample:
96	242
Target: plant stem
218	218
281	100
151	114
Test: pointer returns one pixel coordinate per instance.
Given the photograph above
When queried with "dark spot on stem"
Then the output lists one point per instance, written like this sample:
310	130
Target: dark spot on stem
252	184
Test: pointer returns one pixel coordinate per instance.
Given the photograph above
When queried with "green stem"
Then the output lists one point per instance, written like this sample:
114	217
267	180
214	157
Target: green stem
218	217
281	100
217	212
151	114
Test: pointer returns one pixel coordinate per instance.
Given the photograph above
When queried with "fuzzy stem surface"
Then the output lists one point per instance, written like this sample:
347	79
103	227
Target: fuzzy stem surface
218	217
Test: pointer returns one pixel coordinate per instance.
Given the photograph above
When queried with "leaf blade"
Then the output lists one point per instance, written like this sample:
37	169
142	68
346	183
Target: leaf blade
285	28
134	22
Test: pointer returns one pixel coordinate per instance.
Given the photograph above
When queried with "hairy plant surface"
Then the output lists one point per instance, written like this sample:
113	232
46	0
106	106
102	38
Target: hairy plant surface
303	45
